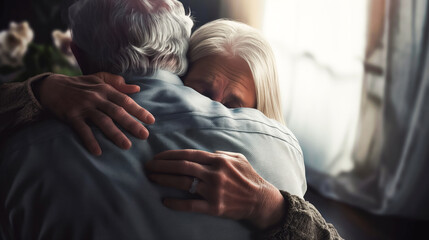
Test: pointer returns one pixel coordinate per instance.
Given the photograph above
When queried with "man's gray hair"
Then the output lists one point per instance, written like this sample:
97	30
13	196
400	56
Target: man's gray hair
132	36
230	38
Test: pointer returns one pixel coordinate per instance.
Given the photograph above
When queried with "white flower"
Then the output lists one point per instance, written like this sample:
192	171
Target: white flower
62	41
14	43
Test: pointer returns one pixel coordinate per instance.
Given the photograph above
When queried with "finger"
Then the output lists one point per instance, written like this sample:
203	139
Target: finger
94	79
86	135
118	82
127	88
131	107
197	156
109	129
193	205
124	119
181	167
179	182
231	154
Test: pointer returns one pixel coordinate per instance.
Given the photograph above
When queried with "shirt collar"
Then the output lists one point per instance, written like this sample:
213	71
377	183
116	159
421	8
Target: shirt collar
161	75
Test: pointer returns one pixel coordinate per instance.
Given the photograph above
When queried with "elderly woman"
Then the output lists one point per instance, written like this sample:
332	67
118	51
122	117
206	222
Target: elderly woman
230	63
217	45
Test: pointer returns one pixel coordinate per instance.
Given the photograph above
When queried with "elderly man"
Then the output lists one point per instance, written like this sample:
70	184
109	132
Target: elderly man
51	187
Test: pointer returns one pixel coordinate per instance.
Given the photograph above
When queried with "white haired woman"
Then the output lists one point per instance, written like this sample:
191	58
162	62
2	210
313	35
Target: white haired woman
220	41
230	63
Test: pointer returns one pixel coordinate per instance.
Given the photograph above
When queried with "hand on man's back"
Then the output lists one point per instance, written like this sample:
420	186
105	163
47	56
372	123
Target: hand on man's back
102	101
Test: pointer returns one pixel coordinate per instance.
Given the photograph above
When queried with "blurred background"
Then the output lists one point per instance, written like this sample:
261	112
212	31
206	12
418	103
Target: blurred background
354	78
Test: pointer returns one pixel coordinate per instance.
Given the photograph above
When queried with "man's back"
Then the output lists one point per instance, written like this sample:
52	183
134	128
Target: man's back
52	188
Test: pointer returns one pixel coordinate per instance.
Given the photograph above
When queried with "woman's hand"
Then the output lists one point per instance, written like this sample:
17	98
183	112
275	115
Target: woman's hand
228	185
99	98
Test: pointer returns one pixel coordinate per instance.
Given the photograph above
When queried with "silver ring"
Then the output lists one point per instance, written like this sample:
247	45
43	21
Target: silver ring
193	188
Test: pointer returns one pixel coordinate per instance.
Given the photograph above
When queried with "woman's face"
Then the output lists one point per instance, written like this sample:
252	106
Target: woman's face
224	79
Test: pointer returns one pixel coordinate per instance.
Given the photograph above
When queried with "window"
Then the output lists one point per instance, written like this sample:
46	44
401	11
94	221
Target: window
319	47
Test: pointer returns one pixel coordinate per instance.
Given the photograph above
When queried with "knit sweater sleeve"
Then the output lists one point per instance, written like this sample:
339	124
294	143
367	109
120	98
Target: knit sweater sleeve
301	221
18	105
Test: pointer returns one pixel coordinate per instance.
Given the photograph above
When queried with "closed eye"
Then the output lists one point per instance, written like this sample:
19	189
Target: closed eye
232	105
233	102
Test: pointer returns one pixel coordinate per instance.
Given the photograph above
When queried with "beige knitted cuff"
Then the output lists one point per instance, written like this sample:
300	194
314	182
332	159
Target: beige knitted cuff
30	89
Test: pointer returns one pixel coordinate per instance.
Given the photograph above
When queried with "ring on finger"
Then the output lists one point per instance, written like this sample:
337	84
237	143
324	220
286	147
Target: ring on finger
193	188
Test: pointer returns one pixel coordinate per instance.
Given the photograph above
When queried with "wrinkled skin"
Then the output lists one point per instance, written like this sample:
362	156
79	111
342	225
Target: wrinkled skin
100	98
229	187
224	79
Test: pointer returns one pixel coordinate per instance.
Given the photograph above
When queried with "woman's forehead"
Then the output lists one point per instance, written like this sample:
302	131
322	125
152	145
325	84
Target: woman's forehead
231	67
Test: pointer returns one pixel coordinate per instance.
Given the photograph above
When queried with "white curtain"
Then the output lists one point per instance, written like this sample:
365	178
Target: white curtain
365	134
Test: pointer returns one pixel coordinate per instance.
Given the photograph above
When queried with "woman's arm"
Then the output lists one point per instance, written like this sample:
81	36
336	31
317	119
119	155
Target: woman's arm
301	221
100	98
18	104
229	187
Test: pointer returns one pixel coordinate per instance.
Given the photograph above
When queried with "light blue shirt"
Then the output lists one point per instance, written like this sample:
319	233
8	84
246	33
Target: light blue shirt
52	188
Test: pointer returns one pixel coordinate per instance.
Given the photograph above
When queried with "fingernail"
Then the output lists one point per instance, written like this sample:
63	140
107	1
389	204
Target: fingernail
150	119
96	151
126	144
144	134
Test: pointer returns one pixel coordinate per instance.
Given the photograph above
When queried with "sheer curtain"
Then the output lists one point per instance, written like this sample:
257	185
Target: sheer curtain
362	117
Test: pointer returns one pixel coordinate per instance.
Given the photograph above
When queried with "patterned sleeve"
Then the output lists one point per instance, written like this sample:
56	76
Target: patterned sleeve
302	221
18	105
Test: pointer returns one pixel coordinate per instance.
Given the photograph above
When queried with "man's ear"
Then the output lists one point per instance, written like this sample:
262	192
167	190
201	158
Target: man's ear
82	59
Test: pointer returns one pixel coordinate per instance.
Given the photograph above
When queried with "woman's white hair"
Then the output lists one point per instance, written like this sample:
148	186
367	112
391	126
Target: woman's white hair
230	38
132	36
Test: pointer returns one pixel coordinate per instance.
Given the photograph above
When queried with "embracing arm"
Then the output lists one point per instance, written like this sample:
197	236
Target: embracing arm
229	187
18	104
301	220
100	98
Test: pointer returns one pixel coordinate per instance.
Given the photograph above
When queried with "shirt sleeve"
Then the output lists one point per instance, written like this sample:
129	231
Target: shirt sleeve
18	105
302	221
